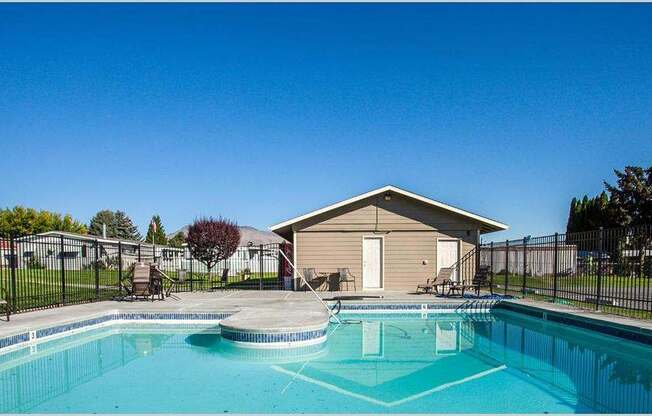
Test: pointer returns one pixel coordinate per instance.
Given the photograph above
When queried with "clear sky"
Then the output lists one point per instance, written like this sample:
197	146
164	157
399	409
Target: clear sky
263	112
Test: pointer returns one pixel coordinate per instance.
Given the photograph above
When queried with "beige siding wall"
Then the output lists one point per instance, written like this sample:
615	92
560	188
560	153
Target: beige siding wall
404	255
409	229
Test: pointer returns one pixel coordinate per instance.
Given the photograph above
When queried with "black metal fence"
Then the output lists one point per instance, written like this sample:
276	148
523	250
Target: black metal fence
608	269
49	270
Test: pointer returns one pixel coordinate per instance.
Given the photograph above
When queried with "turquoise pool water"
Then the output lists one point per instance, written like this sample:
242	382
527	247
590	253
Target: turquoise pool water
482	363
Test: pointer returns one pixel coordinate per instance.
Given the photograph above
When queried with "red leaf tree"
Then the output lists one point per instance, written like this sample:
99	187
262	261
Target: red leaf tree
211	240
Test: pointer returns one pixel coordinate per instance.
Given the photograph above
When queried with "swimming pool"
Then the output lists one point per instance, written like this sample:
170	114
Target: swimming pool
494	362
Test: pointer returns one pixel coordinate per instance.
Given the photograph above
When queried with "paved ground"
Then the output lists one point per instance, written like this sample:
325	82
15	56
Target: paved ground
262	300
200	302
607	318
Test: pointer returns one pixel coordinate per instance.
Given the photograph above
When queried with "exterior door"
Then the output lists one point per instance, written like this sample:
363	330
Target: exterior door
447	255
372	263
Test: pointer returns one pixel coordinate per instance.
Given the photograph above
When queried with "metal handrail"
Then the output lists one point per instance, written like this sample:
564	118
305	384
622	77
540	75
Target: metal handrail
329	310
464	259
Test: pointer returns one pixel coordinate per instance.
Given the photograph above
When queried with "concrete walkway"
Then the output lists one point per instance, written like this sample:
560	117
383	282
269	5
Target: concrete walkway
218	301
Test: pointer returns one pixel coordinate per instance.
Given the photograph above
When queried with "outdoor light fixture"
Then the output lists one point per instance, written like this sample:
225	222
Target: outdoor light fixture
388	196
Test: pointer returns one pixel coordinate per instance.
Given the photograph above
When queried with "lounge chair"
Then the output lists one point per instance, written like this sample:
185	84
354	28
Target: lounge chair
141	281
4	303
443	279
480	280
346	277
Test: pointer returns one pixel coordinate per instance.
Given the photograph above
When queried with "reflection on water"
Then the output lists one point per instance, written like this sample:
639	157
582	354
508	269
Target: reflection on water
500	362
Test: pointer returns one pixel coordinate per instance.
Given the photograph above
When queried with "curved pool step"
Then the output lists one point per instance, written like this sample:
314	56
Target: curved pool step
284	327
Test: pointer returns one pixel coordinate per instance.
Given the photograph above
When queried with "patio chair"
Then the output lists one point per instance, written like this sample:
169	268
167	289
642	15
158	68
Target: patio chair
4	303
442	279
346	277
141	281
480	280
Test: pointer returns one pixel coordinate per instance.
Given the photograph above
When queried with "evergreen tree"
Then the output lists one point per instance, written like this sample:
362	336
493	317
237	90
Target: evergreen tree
103	217
125	227
589	214
583	217
570	223
156	232
118	225
631	198
630	205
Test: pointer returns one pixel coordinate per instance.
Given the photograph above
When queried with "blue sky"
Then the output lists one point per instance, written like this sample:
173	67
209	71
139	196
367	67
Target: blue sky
263	112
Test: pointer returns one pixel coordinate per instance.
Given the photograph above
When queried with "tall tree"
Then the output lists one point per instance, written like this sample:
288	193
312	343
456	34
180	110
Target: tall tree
125	227
631	197
589	214
23	221
570	223
631	206
156	232
102	218
118	225
211	240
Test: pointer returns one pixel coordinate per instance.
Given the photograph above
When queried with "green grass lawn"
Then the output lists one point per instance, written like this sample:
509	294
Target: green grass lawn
40	288
632	313
574	290
580	281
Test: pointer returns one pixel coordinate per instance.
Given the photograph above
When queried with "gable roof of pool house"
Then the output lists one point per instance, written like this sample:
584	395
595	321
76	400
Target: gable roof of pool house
387	238
486	225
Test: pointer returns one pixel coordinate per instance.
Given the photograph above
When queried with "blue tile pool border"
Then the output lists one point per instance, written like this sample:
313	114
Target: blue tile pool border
630	333
419	307
627	332
272	337
24	337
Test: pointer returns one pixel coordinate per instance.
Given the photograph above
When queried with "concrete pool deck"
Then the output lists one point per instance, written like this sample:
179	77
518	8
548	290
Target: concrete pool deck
304	308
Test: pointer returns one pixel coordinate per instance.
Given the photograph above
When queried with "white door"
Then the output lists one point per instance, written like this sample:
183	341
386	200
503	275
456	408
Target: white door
372	267
447	255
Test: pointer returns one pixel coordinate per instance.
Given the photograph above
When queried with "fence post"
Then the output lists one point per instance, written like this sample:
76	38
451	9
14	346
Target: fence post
97	269
13	262
63	271
491	267
554	270
191	278
506	265
120	266
525	241
599	283
260	264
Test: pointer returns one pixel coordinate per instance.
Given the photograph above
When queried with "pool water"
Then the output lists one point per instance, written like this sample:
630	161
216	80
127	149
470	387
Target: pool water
480	363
